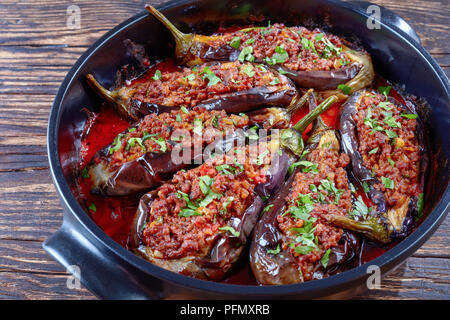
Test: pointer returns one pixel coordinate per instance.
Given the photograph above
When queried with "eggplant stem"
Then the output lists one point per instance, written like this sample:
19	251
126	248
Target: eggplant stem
370	228
298	102
310	117
180	37
109	96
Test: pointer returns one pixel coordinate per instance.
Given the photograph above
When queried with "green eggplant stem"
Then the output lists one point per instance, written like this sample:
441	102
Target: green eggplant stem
298	102
179	36
309	118
371	228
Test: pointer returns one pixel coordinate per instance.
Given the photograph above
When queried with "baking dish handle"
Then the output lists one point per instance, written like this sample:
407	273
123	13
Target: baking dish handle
388	18
81	258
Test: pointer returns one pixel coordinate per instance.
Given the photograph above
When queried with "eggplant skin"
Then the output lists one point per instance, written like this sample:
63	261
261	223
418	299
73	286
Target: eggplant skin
398	222
227	249
281	268
218	262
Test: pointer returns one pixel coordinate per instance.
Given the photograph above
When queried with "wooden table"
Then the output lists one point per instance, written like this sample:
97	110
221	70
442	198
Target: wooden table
36	51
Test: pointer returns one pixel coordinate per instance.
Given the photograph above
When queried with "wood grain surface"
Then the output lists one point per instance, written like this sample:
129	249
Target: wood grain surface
36	51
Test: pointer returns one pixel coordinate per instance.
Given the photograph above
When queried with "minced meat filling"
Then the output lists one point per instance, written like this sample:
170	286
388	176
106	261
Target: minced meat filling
190	211
159	133
388	146
319	189
191	86
295	48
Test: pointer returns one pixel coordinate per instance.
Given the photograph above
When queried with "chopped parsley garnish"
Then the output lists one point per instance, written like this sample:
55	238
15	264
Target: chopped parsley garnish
385	91
373	151
235	42
131	143
280	56
205	184
345	89
227	203
186	212
365	187
325	258
215	121
274	251
157	75
388	183
248	70
178	118
281	71
183	108
191	77
227	169
250	41
420	204
260	158
274	82
409	116
230	230
391	134
85	173
246	54
267	208
307	167
161	143
391	162
360	209
117	143
198	126
93	207
211	76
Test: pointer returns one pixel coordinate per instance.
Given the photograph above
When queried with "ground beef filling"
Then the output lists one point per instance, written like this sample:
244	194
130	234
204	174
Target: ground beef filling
295	48
189	212
319	189
388	146
159	133
191	86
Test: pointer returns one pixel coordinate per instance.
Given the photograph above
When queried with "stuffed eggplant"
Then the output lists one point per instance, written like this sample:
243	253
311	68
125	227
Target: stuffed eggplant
152	150
385	142
198	223
312	59
293	241
229	86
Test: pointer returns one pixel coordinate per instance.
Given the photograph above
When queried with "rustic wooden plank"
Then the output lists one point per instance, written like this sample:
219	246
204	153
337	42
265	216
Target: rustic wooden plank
39	286
31	24
417	278
35	276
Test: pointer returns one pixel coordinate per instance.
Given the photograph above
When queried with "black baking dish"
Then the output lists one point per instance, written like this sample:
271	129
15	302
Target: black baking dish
109	270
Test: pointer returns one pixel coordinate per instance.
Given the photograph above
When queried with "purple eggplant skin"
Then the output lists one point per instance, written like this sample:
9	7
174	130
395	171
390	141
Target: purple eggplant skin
151	169
282	94
281	268
235	102
227	249
192	49
397	223
322	80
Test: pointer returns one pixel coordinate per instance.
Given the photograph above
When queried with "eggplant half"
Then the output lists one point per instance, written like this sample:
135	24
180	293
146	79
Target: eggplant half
293	241
152	150
198	223
312	59
385	141
230	86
